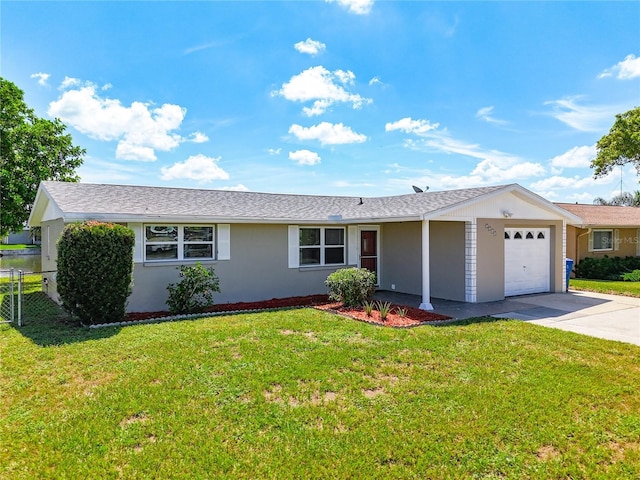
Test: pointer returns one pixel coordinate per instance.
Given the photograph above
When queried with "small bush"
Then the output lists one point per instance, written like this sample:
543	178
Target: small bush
195	291
351	286
95	267
631	276
606	268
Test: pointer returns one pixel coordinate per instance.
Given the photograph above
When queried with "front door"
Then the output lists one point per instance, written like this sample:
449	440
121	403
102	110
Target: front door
369	250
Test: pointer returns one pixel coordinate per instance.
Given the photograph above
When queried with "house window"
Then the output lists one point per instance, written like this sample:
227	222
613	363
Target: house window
178	242
322	246
602	240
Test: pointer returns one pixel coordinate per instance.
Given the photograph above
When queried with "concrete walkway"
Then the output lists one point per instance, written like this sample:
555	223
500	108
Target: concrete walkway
611	317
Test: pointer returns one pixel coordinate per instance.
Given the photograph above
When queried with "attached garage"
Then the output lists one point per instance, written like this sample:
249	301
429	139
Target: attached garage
527	261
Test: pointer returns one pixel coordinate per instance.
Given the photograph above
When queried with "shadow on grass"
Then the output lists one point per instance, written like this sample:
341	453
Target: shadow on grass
45	323
469	321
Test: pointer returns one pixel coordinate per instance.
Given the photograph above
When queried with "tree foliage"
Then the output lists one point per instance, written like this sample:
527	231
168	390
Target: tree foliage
625	199
620	146
32	149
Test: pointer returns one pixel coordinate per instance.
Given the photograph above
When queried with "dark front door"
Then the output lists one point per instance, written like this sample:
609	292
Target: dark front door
369	250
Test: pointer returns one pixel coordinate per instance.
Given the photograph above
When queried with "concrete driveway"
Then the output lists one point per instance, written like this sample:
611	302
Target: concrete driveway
612	317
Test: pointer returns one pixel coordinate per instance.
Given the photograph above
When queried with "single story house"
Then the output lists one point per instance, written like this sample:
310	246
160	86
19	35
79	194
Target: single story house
472	245
604	230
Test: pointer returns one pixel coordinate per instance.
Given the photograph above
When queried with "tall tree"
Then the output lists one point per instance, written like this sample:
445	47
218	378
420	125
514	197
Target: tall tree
620	146
32	149
624	199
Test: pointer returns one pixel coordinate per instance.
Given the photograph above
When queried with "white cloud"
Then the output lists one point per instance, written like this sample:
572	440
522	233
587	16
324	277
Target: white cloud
493	167
375	81
358	7
274	151
323	87
304	157
42	77
345	184
577	157
198	137
624	70
408	125
236	188
485	114
199	168
310	47
557	182
583	118
139	128
69	82
327	133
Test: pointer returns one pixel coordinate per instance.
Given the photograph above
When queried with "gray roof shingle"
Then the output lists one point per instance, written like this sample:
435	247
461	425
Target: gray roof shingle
102	200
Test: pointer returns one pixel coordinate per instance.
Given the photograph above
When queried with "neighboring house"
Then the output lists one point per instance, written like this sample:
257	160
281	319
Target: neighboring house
604	230
17	238
473	245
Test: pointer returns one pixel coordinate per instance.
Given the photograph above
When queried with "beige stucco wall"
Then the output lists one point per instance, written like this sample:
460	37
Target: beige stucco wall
447	260
258	270
578	244
490	261
402	257
51	232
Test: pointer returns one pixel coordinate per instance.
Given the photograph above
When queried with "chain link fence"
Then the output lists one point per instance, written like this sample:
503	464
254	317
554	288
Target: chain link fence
23	298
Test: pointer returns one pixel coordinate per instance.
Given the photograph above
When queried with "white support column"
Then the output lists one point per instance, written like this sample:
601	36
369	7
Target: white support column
426	285
471	261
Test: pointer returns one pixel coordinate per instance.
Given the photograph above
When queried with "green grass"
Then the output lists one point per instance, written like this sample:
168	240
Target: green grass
307	394
36	305
629	289
19	246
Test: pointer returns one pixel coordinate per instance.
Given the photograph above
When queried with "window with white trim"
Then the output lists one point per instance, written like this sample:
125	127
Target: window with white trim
602	240
179	242
322	246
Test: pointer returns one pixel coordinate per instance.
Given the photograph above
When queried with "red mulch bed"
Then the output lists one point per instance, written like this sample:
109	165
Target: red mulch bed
412	318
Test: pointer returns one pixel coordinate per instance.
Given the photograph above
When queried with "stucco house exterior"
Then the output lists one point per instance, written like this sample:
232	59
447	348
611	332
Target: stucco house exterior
604	230
472	245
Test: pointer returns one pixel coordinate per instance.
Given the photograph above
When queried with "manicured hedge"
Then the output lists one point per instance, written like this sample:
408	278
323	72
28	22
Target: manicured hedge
95	267
606	268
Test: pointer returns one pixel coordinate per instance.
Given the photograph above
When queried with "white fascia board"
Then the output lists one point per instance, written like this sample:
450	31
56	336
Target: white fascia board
44	208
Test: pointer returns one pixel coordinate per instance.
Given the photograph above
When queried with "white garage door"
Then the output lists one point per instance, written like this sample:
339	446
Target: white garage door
526	261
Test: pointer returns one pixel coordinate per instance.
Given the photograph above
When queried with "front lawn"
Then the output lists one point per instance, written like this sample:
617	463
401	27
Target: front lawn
307	394
628	289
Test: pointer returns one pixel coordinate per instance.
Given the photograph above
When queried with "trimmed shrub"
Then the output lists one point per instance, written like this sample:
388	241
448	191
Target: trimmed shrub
95	267
606	268
195	291
351	286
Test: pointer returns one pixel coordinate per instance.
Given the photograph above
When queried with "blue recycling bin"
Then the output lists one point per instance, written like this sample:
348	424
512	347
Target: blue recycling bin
569	268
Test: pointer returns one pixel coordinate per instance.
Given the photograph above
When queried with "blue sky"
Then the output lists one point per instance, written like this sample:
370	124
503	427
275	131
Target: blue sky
340	97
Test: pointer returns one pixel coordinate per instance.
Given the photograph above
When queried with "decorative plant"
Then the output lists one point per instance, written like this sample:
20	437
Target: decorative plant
351	286
401	312
368	308
384	308
194	292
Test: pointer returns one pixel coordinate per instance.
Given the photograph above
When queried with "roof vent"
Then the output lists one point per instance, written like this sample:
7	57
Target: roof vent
360	202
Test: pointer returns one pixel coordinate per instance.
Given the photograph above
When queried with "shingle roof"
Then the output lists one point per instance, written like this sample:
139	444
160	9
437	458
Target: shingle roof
604	215
131	201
